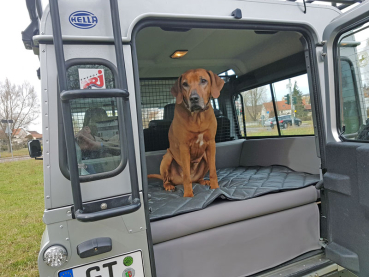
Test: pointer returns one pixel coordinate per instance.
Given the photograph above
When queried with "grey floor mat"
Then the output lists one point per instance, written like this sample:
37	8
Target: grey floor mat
239	183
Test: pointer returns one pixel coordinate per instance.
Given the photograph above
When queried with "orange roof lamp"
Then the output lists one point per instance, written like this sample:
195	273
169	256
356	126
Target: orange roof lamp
178	54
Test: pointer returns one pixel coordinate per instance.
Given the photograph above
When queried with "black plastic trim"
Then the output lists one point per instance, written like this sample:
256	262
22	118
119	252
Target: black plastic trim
103	214
33	28
237	14
275	109
94	247
100	93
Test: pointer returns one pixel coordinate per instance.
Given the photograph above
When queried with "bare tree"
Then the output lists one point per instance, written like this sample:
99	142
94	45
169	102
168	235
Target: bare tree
253	99
19	103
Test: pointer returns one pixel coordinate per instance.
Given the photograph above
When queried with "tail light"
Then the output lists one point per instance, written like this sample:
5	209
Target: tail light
280	121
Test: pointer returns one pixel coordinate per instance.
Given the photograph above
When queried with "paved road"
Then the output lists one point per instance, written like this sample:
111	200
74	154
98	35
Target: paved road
19	158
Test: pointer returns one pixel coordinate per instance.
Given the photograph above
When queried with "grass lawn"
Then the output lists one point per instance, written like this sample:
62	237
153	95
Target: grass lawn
20	152
290	131
298	131
21	210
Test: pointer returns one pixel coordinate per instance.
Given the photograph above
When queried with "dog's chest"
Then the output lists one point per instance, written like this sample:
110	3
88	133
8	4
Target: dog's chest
198	145
198	140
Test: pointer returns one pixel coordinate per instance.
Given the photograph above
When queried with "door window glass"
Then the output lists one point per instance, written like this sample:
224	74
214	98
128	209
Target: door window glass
95	120
294	106
353	70
255	109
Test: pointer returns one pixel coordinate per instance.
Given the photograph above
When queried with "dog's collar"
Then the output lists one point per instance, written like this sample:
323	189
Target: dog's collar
207	106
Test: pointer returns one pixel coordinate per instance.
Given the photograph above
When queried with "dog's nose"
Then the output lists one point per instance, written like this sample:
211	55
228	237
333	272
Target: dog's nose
194	98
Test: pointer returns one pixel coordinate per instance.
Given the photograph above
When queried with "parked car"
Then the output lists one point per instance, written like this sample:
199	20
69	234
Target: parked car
268	122
285	121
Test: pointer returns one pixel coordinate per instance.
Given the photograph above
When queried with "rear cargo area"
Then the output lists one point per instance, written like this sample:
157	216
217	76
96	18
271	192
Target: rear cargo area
257	233
265	212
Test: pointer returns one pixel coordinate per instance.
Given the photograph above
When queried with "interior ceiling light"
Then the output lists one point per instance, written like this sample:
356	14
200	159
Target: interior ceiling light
178	54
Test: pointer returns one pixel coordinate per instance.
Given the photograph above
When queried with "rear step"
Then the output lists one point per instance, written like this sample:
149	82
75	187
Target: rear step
317	265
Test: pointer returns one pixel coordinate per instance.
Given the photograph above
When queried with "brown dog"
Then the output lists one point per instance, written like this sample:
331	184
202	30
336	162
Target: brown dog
191	153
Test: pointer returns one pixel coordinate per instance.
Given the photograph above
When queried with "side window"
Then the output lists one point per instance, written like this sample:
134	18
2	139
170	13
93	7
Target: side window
256	111
294	106
353	93
288	101
95	120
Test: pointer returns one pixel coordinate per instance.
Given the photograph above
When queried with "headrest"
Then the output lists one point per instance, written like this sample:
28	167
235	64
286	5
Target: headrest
169	112
159	124
217	112
94	115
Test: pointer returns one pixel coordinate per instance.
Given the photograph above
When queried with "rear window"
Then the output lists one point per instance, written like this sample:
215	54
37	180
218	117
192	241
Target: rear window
95	121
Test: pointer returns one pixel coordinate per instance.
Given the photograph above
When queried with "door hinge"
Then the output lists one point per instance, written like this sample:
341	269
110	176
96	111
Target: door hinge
321	43
322	56
323	242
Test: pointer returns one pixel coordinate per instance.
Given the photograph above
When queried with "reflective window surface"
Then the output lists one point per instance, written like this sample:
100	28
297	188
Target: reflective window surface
353	70
294	106
95	120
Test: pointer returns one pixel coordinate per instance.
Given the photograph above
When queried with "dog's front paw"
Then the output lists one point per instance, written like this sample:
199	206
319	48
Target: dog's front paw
188	194
214	184
169	187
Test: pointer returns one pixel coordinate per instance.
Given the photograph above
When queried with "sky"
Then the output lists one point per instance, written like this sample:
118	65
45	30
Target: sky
19	64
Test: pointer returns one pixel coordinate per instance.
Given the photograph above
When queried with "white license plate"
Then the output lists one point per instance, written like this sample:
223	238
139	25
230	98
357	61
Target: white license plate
127	265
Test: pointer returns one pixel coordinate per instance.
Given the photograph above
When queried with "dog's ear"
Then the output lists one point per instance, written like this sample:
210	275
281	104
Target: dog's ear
217	84
176	90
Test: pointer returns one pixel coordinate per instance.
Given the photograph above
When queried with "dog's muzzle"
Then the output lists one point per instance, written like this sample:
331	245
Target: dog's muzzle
196	102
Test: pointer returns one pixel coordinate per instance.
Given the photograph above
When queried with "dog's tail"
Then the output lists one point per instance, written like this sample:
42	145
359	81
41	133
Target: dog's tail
156	176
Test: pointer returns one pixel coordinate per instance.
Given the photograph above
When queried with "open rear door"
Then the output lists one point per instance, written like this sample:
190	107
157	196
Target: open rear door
345	198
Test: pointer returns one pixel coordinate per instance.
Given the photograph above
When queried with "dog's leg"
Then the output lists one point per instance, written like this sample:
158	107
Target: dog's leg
210	153
165	171
184	151
202	170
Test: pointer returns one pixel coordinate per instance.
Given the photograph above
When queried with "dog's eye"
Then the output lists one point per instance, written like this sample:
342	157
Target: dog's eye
185	84
203	81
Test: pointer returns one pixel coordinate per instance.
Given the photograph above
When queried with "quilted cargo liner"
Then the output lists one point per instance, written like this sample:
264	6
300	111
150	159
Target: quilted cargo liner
238	183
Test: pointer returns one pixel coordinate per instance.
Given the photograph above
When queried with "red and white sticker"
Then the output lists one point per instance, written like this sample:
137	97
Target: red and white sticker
91	78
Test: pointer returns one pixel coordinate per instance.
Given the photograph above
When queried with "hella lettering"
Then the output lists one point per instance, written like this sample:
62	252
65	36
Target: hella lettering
83	19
